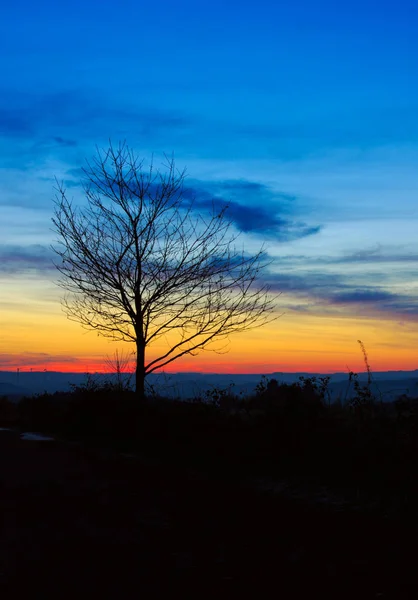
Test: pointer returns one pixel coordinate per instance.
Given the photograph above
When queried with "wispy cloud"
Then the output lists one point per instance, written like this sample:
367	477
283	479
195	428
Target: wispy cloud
365	296
252	206
376	255
336	293
34	258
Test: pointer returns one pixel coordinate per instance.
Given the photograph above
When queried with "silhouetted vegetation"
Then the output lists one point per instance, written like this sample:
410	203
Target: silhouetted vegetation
282	430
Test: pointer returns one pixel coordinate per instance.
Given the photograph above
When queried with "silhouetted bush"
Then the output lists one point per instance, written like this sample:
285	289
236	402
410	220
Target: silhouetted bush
282	429
301	400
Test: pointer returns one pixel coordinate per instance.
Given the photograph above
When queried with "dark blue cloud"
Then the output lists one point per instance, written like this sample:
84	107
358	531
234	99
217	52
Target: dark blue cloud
35	258
240	187
305	284
367	256
362	296
251	218
375	256
378	301
324	293
252	207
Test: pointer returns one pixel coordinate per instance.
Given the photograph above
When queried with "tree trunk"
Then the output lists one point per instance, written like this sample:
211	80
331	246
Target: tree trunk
140	371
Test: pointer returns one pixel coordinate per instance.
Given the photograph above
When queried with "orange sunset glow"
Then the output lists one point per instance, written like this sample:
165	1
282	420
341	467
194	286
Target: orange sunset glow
43	338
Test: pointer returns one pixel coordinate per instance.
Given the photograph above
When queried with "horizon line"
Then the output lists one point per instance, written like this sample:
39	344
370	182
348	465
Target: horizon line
32	371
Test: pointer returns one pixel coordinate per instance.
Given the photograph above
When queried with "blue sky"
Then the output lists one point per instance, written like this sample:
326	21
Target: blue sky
303	115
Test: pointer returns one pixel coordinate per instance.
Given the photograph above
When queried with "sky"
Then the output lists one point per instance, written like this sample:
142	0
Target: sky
303	116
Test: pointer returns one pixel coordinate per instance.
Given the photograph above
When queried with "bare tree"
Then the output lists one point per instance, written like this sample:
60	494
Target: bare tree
141	264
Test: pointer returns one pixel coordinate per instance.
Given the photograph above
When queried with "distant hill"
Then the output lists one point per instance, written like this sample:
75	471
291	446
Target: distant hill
11	390
387	384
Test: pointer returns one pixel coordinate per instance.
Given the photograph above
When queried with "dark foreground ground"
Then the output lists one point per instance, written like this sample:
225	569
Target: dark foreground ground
78	522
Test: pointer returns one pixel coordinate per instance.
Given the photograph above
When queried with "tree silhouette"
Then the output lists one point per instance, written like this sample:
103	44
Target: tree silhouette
141	264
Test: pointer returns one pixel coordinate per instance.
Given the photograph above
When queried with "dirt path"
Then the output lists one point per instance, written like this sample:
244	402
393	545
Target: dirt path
73	521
